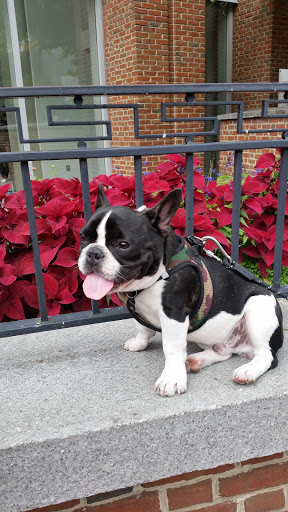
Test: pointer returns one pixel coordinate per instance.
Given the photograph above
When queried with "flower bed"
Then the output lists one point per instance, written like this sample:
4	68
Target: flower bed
59	218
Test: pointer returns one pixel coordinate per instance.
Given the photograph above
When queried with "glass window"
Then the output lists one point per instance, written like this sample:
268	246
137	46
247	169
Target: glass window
49	43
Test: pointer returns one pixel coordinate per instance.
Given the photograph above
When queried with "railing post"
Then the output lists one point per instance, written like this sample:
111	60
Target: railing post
282	195
87	209
189	201
138	181
34	239
85	188
236	205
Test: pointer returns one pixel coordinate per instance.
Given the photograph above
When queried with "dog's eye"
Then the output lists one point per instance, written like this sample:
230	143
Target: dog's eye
123	245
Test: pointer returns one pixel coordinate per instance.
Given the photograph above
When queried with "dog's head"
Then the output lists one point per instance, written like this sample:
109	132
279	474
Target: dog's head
121	247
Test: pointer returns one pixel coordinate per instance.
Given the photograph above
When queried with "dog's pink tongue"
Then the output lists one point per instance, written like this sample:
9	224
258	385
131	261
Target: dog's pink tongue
96	287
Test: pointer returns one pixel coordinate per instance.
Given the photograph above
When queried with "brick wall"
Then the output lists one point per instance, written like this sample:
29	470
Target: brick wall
256	485
280	39
228	132
260	44
252	45
253	41
164	42
260	49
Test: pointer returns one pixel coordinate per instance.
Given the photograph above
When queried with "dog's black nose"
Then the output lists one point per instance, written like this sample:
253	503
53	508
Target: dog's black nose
95	254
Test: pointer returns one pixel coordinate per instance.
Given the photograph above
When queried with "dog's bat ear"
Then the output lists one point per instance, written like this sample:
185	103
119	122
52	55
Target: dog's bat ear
102	200
162	213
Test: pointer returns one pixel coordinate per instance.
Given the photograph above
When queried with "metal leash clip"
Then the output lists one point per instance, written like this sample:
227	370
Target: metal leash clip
211	254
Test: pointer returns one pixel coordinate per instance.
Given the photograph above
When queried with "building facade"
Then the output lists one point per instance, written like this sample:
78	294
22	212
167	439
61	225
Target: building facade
97	42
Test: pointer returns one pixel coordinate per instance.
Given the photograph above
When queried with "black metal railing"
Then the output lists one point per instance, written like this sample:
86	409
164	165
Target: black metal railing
188	146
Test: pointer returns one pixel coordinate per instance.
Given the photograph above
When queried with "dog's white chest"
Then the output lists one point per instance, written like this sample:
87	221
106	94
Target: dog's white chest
148	303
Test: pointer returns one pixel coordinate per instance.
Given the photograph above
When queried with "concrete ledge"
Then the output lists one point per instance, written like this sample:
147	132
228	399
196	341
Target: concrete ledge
79	416
247	114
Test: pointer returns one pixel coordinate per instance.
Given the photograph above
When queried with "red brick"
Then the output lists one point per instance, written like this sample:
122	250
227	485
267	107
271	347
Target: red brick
147	501
265	502
190	476
189	495
254	480
263	459
58	507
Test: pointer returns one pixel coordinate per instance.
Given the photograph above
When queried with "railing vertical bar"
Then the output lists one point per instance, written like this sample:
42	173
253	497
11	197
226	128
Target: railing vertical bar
85	188
189	202
87	209
138	181
34	240
280	220
236	205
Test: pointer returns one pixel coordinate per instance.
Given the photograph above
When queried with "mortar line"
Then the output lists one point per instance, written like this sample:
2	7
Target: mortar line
285	490
215	487
240	506
163	500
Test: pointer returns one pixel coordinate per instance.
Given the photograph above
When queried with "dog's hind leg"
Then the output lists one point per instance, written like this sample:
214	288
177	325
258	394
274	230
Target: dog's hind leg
141	340
209	356
262	325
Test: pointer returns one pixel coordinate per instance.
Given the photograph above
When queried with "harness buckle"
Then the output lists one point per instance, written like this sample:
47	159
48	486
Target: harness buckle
131	304
195	240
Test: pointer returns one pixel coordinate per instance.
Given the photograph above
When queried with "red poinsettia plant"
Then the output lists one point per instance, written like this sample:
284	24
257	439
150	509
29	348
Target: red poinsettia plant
59	218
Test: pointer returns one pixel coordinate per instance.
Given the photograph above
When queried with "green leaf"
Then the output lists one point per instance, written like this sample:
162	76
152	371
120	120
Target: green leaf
243	222
225	230
244	213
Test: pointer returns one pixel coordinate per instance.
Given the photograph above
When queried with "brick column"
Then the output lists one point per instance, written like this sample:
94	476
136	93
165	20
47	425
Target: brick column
252	46
146	42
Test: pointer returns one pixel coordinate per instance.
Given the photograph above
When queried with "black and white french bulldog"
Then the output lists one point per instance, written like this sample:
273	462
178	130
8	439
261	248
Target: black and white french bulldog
127	251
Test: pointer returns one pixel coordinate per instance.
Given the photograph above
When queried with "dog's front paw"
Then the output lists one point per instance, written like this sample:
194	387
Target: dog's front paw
135	344
171	382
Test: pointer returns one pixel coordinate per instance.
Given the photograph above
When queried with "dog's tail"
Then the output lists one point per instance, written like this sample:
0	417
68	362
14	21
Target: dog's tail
276	340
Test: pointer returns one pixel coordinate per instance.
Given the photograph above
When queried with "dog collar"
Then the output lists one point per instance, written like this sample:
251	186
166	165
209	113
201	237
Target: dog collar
187	255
